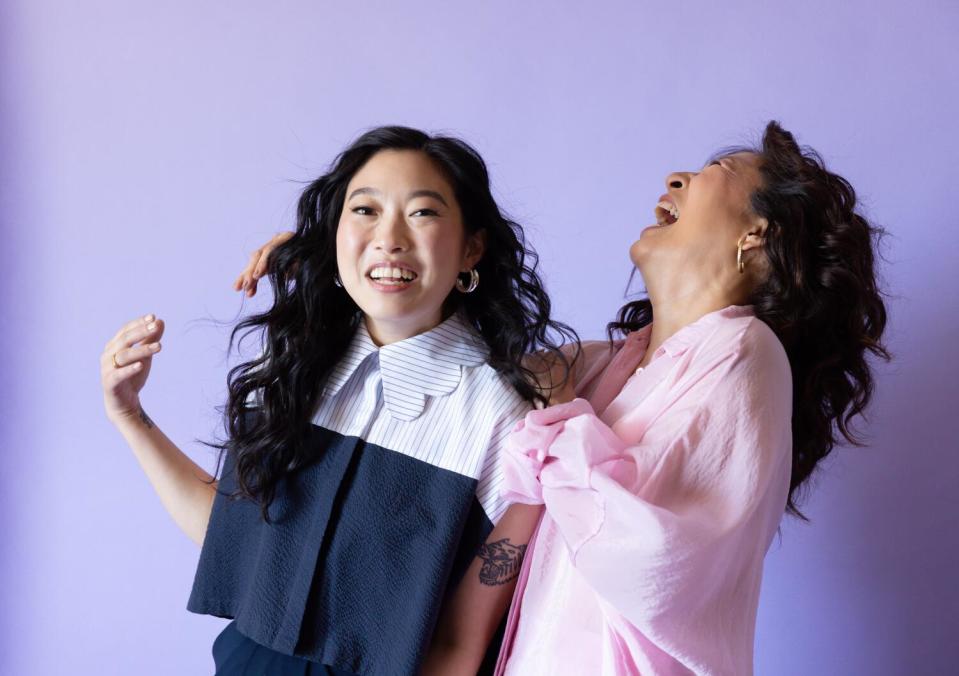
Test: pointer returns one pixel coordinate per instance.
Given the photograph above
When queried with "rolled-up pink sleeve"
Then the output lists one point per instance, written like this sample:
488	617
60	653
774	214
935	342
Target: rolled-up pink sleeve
670	529
527	447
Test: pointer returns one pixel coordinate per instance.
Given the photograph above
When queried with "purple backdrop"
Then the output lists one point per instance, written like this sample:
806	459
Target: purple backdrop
146	150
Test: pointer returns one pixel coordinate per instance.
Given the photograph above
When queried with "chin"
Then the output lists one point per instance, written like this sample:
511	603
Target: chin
639	251
398	310
389	312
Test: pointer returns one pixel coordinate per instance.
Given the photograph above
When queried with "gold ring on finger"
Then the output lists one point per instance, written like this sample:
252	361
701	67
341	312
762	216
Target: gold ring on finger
115	364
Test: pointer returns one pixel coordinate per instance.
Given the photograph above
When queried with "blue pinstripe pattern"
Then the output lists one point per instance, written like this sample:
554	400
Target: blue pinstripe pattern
432	397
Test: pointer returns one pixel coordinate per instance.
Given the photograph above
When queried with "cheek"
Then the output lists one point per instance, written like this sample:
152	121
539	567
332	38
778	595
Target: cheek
701	206
445	254
349	246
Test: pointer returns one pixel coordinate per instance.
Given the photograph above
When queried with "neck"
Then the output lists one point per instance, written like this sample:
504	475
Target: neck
675	309
385	332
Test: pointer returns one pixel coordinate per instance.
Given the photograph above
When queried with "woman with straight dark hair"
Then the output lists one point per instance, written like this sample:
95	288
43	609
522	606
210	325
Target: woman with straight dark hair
362	467
667	462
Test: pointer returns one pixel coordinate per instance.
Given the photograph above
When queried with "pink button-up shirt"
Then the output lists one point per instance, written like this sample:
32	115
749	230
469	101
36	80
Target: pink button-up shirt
663	492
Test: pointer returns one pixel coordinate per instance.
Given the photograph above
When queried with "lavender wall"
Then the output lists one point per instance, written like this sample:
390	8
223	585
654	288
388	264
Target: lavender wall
147	149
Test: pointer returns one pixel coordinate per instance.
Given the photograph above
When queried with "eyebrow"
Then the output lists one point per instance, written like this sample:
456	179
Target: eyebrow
364	191
428	193
413	195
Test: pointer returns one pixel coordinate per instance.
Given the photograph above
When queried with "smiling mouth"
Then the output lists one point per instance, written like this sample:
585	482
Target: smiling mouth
390	275
667	213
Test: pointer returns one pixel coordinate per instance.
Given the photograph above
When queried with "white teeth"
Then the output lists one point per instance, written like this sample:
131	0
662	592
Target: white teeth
664	208
670	208
392	274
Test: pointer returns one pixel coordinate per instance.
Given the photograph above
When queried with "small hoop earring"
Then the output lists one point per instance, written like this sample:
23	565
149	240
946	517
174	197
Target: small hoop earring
336	279
740	263
474	282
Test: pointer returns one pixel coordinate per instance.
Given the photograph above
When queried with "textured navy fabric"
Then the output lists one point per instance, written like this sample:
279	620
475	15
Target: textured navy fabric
353	568
237	655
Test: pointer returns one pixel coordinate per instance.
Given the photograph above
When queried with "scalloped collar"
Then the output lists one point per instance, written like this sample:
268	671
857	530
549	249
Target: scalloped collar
429	363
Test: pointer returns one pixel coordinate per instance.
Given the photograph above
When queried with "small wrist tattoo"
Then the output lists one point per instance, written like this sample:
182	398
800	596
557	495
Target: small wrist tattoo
146	419
501	562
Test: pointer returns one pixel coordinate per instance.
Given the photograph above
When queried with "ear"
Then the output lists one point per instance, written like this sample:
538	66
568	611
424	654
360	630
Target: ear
756	236
475	248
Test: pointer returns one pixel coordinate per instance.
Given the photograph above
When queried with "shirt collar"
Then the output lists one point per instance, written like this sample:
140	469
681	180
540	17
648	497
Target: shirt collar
429	363
693	333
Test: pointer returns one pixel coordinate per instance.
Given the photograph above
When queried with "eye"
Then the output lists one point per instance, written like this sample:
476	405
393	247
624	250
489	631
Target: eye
362	211
425	212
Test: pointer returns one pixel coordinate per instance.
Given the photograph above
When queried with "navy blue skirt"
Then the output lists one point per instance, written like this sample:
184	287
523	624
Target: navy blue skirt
236	655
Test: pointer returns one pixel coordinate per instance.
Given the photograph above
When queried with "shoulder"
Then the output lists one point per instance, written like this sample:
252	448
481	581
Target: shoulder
592	351
491	394
758	344
737	333
741	351
753	363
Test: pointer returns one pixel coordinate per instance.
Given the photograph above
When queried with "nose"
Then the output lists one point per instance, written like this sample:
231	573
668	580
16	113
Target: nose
391	233
678	180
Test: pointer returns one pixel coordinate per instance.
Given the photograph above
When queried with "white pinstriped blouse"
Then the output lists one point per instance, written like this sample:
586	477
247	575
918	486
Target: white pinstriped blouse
431	397
362	545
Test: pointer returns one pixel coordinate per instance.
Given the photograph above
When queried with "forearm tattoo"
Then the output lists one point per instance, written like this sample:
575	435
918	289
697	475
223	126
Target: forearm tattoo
146	419
501	562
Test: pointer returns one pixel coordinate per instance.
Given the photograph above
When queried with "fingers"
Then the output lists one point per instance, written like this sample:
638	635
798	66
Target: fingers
131	355
260	268
144	320
258	264
241	282
137	331
246	277
117	376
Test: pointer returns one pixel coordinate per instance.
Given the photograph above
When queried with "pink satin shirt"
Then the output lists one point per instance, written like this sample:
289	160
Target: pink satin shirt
663	488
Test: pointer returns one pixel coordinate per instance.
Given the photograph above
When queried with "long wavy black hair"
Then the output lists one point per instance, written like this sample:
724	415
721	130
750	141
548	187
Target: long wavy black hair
272	398
821	296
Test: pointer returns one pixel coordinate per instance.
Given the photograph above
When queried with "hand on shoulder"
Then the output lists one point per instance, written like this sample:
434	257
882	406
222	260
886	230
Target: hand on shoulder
258	265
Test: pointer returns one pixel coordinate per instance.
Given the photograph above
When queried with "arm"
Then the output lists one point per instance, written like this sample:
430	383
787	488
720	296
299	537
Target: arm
185	489
665	529
476	608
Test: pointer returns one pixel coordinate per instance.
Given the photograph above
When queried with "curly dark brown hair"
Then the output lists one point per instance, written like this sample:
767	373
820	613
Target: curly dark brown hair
310	324
821	296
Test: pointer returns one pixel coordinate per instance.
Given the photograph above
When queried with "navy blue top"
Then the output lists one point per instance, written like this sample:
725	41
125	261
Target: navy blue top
362	545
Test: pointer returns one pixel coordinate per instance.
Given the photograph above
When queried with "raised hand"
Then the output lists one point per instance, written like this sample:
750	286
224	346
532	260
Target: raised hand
125	366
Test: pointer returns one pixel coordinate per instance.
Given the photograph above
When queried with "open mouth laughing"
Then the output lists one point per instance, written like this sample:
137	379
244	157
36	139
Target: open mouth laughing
666	211
391	276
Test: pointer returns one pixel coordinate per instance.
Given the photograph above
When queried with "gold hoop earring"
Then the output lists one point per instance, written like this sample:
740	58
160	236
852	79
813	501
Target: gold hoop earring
740	263
474	282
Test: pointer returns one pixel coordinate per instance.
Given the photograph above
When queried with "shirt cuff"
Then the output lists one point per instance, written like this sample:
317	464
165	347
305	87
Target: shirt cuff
527	450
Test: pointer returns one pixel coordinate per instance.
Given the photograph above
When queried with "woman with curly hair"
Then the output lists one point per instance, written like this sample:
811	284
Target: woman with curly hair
665	479
665	465
363	463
